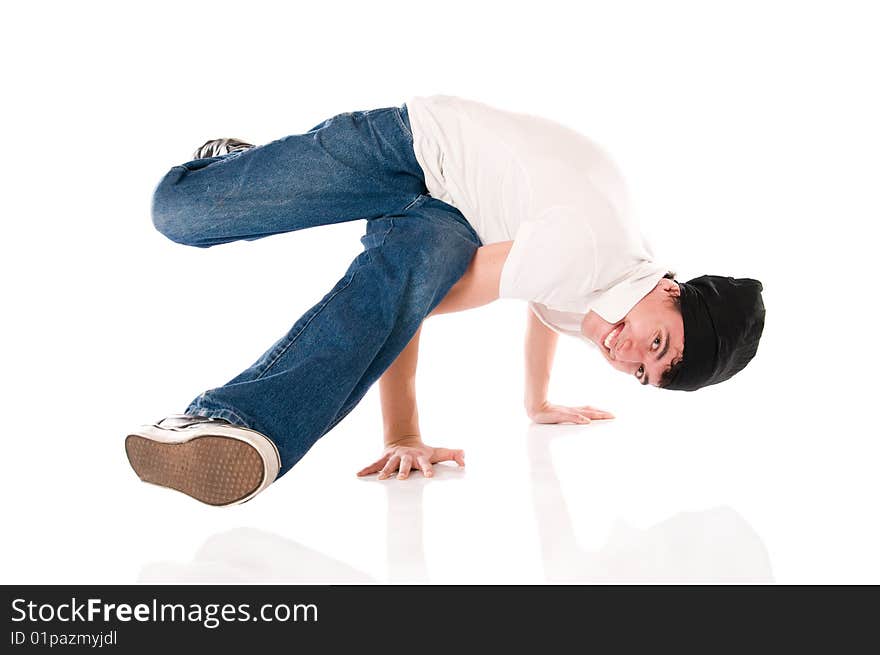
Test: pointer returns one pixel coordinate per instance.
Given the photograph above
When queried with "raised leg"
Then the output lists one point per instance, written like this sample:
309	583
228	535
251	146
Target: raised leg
356	165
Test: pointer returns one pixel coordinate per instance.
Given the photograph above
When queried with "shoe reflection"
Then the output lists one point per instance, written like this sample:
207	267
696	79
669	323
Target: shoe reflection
247	555
256	556
713	545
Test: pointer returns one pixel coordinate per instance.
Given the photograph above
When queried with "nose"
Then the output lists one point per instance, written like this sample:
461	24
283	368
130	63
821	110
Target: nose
628	352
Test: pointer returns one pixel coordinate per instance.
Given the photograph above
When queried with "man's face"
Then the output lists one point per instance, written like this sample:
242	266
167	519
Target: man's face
648	340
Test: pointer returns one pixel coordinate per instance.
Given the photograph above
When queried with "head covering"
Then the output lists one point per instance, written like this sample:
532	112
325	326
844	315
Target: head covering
723	320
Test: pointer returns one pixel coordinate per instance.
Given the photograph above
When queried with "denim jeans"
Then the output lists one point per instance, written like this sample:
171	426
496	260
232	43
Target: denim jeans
355	165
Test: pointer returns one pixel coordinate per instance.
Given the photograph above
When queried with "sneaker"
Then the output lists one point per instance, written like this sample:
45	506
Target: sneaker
217	147
210	459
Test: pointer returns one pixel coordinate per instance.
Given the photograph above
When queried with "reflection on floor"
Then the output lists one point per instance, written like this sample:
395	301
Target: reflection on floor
712	545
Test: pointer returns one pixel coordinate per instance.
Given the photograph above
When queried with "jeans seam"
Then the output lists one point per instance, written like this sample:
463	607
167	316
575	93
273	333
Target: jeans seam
387	232
407	131
416	201
339	418
216	159
302	329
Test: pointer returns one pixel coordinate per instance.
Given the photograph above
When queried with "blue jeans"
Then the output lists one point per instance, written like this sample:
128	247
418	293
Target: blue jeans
355	165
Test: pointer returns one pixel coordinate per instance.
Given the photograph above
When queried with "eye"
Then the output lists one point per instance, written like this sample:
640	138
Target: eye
640	372
656	343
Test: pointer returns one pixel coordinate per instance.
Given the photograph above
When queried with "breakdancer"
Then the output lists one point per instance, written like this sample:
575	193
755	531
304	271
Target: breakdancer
464	203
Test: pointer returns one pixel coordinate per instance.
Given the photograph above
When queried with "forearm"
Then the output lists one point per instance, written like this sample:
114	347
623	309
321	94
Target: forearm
397	388
540	348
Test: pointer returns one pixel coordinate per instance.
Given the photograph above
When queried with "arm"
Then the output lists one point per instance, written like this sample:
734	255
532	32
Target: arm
479	285
404	449
397	387
540	349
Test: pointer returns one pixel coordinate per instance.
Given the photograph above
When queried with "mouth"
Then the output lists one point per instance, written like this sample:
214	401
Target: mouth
610	340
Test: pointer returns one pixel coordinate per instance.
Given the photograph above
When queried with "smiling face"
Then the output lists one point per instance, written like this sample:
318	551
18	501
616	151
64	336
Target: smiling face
648	340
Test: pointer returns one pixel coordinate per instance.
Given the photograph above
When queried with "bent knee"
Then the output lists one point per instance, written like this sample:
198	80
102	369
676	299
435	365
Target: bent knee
173	225
443	251
171	214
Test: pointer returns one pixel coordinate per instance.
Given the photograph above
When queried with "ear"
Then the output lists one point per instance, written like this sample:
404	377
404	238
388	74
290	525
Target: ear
670	287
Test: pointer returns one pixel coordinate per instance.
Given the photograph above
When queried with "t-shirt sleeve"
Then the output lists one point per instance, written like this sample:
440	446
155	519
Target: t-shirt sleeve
539	314
552	261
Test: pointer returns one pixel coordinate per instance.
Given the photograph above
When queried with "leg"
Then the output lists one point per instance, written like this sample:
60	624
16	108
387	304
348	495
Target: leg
356	165
314	376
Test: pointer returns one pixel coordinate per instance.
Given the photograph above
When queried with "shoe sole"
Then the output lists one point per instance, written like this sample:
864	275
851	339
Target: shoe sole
213	469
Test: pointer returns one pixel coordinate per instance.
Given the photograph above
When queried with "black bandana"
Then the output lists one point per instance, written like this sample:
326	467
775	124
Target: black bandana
723	320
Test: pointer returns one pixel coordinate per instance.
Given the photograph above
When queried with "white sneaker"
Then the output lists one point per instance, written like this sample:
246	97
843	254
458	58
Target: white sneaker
210	459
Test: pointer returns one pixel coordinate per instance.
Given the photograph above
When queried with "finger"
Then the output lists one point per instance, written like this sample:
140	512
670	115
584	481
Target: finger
565	417
375	466
425	464
390	467
405	466
592	412
447	454
572	417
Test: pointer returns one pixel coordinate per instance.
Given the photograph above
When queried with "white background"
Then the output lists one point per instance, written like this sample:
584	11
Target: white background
748	133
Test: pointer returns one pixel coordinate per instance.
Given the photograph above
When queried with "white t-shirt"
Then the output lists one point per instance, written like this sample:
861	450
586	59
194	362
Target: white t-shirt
552	191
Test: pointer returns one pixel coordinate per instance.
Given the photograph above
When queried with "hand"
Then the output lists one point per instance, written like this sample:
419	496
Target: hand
408	453
547	412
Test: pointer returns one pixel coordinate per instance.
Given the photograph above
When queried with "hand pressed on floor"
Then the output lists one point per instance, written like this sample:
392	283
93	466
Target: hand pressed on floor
410	453
549	413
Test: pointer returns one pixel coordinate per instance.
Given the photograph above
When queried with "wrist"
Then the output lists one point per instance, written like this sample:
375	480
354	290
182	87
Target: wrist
533	405
402	440
398	428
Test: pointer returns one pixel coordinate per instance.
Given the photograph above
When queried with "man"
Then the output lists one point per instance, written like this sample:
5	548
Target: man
465	203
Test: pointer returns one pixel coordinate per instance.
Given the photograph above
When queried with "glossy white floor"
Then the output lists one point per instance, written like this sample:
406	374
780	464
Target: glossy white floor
744	483
753	161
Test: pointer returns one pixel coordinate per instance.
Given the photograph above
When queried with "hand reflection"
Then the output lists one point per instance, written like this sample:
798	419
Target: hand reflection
257	556
712	545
